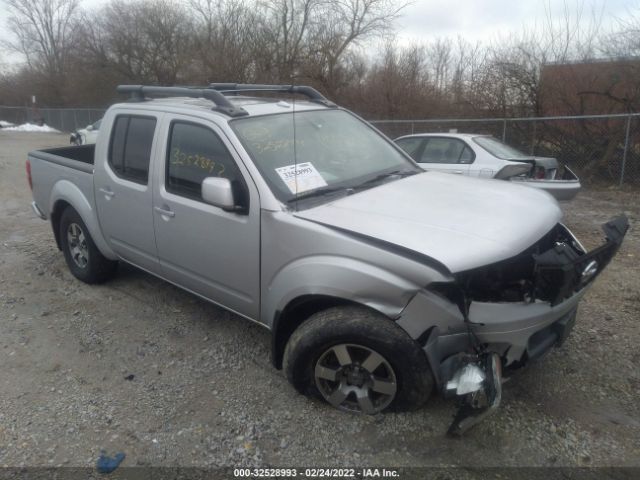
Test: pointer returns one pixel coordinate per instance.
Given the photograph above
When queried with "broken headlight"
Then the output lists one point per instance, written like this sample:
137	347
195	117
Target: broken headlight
516	279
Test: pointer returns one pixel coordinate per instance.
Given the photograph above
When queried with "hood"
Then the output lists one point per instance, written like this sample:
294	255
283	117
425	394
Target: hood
461	222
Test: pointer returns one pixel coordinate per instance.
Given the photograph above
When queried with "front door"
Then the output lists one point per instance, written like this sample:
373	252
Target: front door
210	251
123	191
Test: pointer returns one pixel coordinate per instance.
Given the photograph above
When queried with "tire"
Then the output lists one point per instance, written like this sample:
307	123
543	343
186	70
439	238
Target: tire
379	355
83	258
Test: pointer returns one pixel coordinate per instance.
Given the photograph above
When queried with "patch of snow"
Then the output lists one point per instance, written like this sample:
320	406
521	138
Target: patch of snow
5	124
30	127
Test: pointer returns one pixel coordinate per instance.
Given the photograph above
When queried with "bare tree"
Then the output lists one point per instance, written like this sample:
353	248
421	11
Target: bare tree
625	40
343	24
228	38
43	32
287	25
144	41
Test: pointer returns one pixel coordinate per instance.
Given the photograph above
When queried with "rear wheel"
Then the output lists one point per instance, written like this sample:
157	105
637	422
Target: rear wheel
83	258
358	361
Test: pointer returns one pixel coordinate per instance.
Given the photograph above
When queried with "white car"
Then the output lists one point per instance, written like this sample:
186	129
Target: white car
86	136
487	157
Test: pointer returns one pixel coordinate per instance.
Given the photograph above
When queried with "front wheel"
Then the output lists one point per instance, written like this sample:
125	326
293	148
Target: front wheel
358	361
83	258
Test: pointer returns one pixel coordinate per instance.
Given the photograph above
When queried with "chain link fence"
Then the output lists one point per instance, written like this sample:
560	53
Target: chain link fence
600	149
63	119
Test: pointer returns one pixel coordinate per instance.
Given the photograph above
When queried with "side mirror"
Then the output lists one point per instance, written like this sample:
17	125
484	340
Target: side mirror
217	191
89	127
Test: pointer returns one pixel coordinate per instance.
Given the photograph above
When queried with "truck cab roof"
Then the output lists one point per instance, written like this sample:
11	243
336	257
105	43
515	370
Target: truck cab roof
224	98
254	106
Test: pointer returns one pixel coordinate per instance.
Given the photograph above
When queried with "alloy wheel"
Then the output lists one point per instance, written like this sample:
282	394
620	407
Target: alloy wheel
355	378
77	243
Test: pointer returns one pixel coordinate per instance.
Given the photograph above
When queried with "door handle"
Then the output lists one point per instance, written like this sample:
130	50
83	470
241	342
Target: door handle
459	172
107	192
166	213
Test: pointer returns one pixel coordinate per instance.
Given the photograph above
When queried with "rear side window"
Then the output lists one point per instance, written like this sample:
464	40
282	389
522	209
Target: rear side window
195	153
446	150
130	149
467	155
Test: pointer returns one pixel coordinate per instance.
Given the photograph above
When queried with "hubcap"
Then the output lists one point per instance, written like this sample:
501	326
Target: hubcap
77	245
355	378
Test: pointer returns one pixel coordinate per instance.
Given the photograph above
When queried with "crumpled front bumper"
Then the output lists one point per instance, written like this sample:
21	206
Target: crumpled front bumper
513	330
508	329
517	332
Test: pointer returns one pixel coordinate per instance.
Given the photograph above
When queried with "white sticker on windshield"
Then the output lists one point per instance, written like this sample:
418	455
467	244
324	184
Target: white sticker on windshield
301	177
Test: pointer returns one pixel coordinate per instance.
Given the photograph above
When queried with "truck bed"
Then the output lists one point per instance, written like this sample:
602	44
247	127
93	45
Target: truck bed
77	157
66	170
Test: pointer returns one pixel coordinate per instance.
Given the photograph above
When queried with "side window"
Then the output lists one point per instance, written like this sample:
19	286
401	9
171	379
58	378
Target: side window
130	149
411	146
467	155
195	153
446	150
118	138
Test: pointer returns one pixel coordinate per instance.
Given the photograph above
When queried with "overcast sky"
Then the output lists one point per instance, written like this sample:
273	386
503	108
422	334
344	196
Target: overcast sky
485	20
475	20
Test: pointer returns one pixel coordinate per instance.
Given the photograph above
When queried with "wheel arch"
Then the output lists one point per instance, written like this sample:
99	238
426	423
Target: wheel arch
65	194
295	313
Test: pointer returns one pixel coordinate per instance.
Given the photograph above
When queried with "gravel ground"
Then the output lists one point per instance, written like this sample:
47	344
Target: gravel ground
139	366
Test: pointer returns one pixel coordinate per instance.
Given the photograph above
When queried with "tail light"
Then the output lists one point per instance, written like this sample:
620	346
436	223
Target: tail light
29	175
540	173
513	170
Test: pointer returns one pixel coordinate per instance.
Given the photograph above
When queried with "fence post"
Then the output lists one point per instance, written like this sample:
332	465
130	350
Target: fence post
504	130
533	138
626	149
412	128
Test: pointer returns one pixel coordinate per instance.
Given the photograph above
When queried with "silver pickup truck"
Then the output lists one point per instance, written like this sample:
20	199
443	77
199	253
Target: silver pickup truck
379	282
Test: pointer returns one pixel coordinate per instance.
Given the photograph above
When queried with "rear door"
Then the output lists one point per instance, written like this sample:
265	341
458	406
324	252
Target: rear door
445	154
210	251
123	190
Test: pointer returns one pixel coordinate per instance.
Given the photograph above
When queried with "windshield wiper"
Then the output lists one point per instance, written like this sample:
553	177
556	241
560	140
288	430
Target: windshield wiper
382	176
320	192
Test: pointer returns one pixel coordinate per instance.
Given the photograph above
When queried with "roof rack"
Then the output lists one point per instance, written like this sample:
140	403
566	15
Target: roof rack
140	93
311	93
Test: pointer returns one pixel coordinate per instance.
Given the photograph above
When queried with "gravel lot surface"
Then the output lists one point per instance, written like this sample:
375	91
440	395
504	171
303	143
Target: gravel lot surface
139	366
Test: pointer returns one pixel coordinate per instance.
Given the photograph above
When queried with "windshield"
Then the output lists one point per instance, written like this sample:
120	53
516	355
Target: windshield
324	151
498	149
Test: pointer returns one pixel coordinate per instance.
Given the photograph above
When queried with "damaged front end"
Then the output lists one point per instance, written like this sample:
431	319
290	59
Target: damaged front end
551	270
548	275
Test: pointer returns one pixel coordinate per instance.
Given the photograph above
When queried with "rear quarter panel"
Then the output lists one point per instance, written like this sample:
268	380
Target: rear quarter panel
54	183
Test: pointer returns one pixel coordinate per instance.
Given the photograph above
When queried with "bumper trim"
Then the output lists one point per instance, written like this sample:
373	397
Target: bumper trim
562	271
37	211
